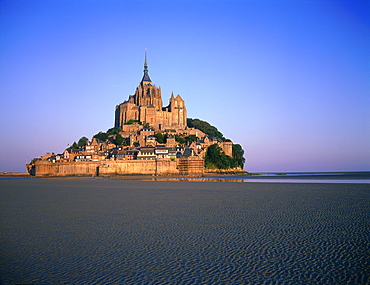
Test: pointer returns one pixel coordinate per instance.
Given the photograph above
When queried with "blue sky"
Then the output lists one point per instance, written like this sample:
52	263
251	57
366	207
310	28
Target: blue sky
288	80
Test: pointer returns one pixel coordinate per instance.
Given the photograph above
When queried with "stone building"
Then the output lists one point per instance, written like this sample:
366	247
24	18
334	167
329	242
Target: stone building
146	106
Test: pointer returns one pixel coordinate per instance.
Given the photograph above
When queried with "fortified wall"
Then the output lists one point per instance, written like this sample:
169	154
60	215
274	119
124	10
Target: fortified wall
182	166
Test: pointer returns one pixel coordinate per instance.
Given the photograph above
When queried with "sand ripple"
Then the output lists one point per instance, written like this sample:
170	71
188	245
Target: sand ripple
130	232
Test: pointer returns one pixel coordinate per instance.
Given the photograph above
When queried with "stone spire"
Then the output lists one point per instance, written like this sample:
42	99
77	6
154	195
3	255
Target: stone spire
146	74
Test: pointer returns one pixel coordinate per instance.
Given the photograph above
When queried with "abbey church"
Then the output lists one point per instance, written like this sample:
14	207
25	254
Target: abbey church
146	106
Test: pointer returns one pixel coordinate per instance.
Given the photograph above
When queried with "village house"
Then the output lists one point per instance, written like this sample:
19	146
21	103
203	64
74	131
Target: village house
146	153
161	151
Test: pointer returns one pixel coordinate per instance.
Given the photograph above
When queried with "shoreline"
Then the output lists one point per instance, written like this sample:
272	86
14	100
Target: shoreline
355	175
15	174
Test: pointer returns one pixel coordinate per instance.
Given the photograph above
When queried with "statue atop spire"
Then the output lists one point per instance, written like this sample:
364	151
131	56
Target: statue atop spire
145	63
146	74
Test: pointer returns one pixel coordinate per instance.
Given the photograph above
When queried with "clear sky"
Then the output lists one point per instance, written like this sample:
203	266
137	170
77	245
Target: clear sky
288	80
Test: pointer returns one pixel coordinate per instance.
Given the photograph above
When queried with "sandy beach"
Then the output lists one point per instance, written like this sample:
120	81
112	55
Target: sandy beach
104	231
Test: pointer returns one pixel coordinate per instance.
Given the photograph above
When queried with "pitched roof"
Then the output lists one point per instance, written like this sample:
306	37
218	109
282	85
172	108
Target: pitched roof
146	77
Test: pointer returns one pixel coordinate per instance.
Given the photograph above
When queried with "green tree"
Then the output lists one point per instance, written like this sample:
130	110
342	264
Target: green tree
130	122
146	126
191	138
160	138
114	131
180	139
216	158
82	141
213	156
205	128
101	136
74	146
119	140
238	155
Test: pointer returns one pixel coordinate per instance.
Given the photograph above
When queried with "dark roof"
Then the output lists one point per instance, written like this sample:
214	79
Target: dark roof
132	148
189	152
147	149
146	77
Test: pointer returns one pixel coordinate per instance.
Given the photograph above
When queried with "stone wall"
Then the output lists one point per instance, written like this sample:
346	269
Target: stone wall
227	147
166	166
192	165
188	166
128	167
47	168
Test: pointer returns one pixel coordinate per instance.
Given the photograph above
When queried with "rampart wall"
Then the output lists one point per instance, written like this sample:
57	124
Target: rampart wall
182	166
191	165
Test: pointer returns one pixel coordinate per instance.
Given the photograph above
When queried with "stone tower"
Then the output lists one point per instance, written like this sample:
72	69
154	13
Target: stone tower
146	104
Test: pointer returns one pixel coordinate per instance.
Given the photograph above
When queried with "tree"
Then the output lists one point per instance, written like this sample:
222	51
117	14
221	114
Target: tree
160	137
205	128
191	138
101	136
146	126
213	158
238	155
74	146
180	139
213	155
119	140
114	131
216	158
82	141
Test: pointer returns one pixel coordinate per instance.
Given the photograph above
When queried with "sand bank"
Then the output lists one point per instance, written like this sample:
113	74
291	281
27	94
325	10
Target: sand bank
84	231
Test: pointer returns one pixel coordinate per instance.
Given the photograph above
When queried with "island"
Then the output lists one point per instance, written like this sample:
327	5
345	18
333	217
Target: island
147	139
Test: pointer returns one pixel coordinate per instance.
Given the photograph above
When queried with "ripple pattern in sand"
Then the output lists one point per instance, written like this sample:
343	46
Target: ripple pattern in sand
132	232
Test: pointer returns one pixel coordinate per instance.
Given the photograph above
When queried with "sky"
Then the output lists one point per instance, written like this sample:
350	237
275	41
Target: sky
288	80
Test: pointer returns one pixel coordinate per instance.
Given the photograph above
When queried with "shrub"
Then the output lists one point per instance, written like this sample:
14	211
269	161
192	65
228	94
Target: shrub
130	122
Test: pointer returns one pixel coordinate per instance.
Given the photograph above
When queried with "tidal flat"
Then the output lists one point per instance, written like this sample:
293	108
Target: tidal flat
101	231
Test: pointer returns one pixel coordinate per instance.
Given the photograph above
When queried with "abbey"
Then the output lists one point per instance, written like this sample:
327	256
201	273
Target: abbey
146	106
147	139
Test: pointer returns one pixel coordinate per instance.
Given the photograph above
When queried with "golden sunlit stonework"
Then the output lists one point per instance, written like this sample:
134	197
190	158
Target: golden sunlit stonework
146	106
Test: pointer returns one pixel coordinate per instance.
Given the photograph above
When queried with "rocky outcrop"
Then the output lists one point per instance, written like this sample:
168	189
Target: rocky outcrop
232	171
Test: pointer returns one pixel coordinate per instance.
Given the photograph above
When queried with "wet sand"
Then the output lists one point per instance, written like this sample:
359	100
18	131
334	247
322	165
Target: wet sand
102	231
